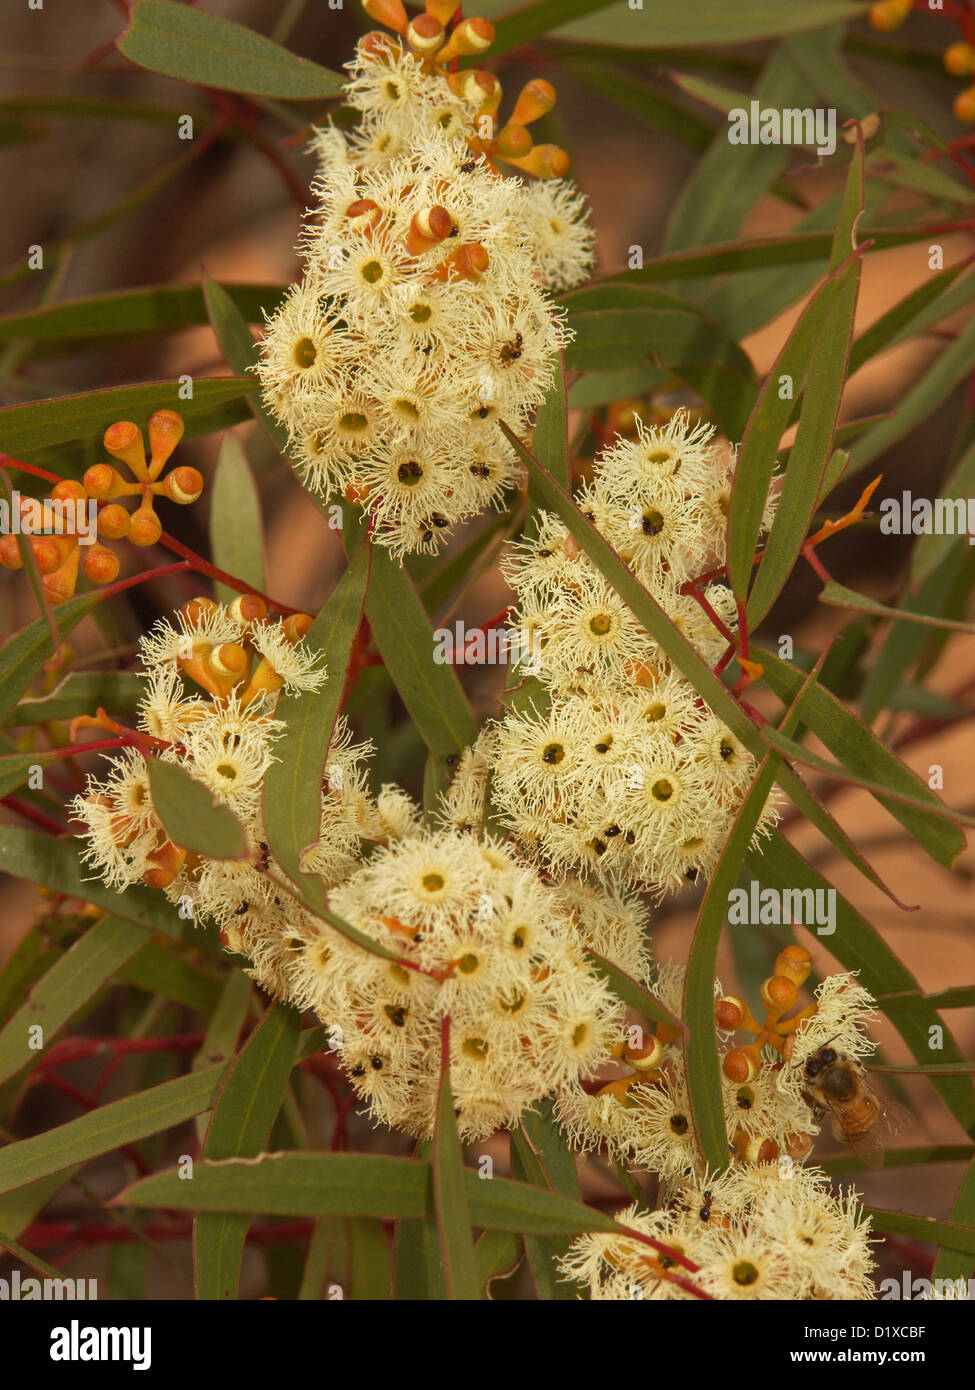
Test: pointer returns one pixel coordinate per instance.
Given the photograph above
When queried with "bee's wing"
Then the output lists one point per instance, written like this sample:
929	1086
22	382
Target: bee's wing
893	1118
869	1147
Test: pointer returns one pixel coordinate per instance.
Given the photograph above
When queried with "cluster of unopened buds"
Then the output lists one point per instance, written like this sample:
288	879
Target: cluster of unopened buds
427	39
779	994
68	546
959	58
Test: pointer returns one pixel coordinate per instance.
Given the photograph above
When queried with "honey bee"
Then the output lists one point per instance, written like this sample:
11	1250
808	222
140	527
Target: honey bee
861	1116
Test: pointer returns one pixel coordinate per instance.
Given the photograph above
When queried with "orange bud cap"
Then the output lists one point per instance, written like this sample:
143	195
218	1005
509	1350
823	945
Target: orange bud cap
645	1058
296	625
102	480
425	35
195	610
183	485
514	142
100	565
364	214
123	440
741	1065
248	608
228	660
47	555
730	1012
778	993
535	100
10	553
113	521
68	490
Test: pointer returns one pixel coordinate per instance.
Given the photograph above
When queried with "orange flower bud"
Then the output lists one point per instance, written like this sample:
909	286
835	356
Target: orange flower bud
68	490
794	963
113	521
145	528
467	263
248	608
100	565
742	1064
167	861
959	59
165	431
473	36
388	12
123	440
10	553
183	485
428	229
47	554
535	100
544	162
444	10
425	35
60	585
778	994
102	480
964	106
514	142
730	1012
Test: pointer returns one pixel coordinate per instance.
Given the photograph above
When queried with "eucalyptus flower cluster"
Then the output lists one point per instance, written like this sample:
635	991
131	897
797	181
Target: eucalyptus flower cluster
619	768
422	318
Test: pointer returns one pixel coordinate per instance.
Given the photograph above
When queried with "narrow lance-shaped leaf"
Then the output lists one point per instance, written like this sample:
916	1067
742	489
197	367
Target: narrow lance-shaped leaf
238	345
187	43
767	424
293	783
431	691
864	757
236	531
155	310
108	1128
191	816
55	865
809	455
67	987
450	1190
240	1125
26	428
701	1051
315	1184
